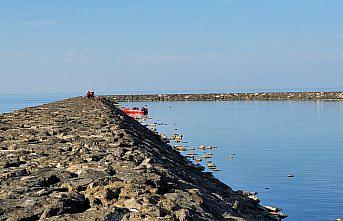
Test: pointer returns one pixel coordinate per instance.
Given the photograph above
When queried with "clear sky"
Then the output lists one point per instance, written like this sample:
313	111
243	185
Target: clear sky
123	45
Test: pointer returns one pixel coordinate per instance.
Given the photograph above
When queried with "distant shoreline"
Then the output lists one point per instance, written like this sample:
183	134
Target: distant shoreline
230	96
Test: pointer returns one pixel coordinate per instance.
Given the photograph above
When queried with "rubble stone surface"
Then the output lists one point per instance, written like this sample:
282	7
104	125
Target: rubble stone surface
231	96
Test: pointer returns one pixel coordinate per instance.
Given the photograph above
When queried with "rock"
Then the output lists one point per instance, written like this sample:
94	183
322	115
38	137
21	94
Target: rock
180	148
206	156
229	217
202	147
272	209
232	96
235	205
66	204
183	215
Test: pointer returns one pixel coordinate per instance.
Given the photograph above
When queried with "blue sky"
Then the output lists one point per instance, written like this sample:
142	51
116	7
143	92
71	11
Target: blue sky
154	45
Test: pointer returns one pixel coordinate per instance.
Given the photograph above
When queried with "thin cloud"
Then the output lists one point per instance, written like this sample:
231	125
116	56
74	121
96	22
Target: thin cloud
229	1
322	37
35	24
159	59
74	55
320	55
14	56
338	36
186	58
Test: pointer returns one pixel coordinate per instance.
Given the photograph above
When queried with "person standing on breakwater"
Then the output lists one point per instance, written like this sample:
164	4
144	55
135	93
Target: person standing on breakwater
90	94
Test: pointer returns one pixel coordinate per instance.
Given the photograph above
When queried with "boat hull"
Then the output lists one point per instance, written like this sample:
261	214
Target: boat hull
134	112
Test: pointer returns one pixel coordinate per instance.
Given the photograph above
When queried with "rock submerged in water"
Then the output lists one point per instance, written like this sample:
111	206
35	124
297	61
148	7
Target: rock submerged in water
81	159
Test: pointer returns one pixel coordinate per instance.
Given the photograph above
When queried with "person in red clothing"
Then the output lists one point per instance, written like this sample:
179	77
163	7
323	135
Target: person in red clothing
90	94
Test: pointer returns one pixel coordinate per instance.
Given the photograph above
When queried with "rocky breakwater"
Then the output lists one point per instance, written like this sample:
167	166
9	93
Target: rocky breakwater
83	159
231	96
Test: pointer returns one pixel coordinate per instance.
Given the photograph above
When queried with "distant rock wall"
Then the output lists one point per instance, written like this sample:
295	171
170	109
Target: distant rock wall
84	159
232	96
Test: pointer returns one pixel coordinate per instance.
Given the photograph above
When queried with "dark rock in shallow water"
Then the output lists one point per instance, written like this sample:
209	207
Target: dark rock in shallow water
83	159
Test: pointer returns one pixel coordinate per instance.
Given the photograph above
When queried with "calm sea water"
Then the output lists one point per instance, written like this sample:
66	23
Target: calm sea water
11	102
270	139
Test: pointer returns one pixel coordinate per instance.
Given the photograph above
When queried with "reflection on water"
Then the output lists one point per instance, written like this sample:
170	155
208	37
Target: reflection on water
262	144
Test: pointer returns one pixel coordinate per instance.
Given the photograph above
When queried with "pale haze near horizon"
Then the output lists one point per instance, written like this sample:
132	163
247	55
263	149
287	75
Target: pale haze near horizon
70	46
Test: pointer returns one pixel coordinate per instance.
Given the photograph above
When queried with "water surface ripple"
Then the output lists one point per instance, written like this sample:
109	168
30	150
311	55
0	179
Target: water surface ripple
270	139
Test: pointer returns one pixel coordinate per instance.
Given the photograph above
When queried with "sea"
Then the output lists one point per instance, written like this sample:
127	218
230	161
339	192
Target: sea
290	152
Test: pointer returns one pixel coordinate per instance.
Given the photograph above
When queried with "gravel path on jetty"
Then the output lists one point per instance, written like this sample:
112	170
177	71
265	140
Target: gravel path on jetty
83	159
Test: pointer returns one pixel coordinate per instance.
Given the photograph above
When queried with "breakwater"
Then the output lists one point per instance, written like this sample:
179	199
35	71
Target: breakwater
84	159
232	96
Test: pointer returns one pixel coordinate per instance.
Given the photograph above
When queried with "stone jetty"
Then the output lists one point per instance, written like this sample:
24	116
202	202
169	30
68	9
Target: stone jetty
232	96
84	159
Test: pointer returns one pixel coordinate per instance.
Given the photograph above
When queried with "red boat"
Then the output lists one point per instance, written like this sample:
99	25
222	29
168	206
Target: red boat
135	111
